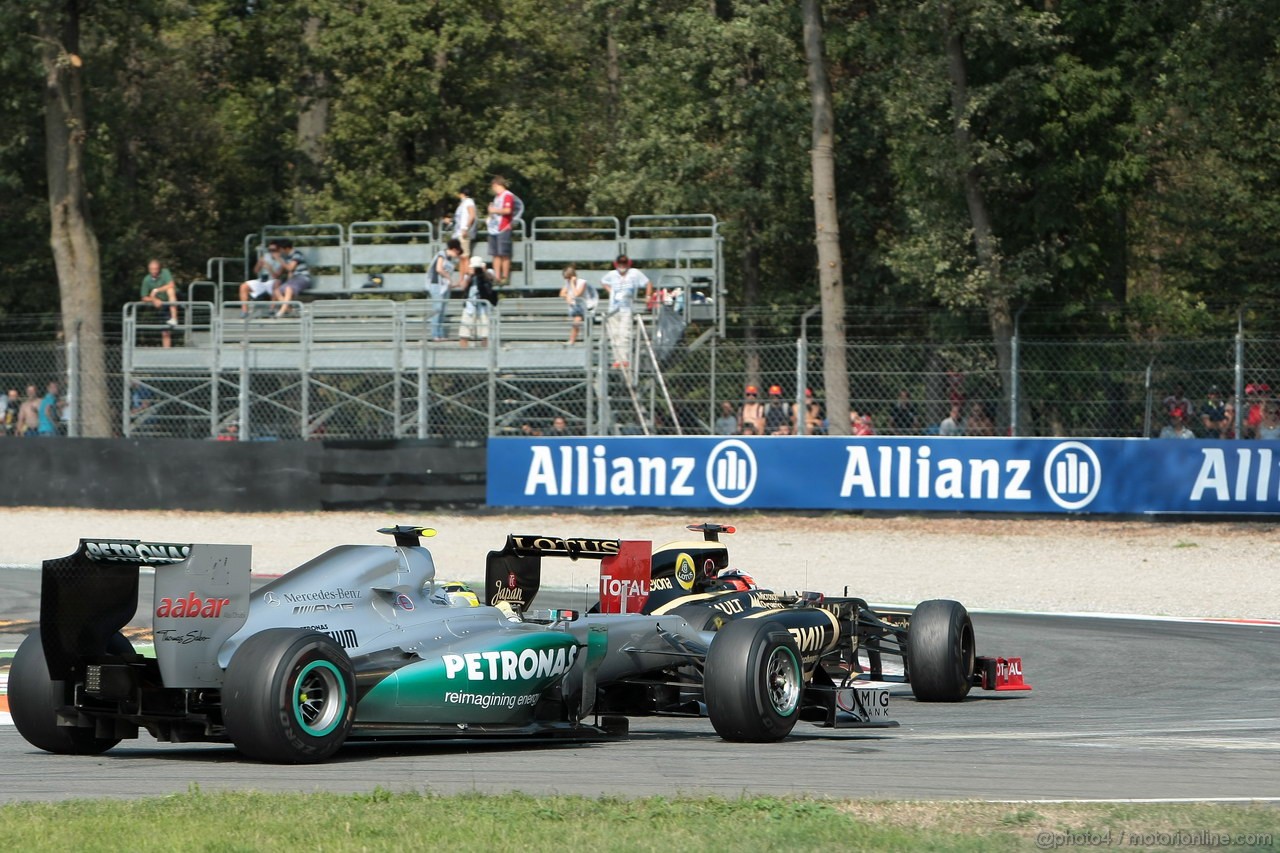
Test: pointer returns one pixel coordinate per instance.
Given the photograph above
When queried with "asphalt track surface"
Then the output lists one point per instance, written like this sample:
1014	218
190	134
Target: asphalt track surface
1122	709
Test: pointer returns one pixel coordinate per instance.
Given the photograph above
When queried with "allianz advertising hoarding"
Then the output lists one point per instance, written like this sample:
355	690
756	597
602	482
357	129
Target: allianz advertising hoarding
1130	476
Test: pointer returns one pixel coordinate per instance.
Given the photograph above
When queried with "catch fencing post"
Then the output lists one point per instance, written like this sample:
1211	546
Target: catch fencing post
1014	364
1241	410
802	371
73	384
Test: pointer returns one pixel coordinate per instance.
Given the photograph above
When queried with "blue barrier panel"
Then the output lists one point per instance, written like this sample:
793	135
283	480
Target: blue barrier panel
1129	476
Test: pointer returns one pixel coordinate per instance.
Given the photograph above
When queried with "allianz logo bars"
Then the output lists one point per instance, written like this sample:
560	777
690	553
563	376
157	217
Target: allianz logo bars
1132	476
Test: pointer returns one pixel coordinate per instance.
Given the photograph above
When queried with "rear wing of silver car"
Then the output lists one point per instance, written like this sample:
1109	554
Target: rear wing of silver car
201	598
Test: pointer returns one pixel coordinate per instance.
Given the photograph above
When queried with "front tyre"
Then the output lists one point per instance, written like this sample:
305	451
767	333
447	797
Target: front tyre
940	651
35	698
289	696
753	682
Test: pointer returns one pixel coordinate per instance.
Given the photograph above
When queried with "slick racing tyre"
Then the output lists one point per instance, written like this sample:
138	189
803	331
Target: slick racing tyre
754	681
940	651
289	696
34	700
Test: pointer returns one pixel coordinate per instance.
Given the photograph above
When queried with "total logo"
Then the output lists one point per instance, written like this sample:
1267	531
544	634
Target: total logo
506	665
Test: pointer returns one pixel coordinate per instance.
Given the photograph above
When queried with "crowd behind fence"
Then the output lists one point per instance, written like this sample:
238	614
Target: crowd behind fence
1099	388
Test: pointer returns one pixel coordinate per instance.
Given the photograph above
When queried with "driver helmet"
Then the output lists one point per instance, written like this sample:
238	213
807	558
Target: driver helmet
455	594
736	579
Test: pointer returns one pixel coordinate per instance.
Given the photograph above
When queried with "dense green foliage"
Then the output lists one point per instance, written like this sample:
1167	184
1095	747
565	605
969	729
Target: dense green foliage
1129	151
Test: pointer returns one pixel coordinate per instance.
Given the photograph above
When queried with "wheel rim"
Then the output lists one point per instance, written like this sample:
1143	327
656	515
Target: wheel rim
782	681
319	698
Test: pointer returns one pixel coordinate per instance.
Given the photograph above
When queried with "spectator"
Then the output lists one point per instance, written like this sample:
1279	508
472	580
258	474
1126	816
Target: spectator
268	270
559	428
1177	400
980	422
440	283
160	291
812	414
777	412
465	221
530	431
1213	415
623	284
140	397
1177	426
903	416
783	429
726	422
1269	426
860	425
29	414
48	420
749	428
475	313
1256	393
9	412
953	424
296	274
574	293
752	412
501	215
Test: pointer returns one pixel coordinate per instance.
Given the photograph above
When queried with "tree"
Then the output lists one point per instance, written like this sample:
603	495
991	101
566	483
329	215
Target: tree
835	368
71	234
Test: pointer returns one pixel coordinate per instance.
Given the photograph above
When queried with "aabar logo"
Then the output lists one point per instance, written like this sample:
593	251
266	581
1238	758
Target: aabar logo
191	607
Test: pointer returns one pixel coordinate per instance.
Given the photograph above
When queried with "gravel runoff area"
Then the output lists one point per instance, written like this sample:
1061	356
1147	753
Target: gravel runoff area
1212	569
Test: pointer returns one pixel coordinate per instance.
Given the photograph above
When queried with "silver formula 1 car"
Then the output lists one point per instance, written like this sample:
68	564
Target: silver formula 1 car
364	642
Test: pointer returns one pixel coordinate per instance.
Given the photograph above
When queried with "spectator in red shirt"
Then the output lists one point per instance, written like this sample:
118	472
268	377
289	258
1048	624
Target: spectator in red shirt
500	217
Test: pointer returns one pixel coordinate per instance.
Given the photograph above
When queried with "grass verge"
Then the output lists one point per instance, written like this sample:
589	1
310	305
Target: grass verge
244	821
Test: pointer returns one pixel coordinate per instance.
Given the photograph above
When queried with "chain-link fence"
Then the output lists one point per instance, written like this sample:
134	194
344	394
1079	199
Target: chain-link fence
379	378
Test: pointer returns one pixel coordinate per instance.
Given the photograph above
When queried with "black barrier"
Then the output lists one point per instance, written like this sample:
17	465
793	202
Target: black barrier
235	476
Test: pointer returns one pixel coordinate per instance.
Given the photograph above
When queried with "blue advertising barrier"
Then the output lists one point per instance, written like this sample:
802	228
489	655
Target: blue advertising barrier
1008	475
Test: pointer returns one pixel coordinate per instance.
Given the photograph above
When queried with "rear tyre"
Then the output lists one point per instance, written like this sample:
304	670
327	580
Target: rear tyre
753	682
35	698
940	651
289	696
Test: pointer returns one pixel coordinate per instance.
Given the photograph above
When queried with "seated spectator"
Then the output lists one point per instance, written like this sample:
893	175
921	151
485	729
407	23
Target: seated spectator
140	397
751	412
526	429
749	428
783	429
953	424
50	412
296	274
559	428
475	313
862	426
980	421
777	412
1177	400
812	414
1213	415
9	406
1177	426
160	292
903	417
1269	426
268	269
1256	394
575	294
727	421
29	414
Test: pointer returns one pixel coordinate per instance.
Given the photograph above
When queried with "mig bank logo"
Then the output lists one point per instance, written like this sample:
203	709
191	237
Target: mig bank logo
731	472
1072	475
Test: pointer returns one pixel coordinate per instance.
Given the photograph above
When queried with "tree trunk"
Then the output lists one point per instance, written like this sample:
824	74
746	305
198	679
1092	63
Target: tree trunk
71	236
835	368
612	68
313	122
985	244
750	294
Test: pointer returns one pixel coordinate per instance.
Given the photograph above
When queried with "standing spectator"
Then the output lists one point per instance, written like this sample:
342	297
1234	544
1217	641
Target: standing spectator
1177	426
777	412
752	412
623	284
466	219
980	422
574	293
903	417
1177	400
9	412
726	422
475	312
440	283
48	421
160	291
1256	393
953	424
296	274
1269	426
268	270
501	215
1213	415
812	414
29	414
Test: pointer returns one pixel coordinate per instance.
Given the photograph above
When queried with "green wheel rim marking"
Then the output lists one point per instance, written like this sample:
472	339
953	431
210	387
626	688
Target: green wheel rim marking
784	693
319	698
